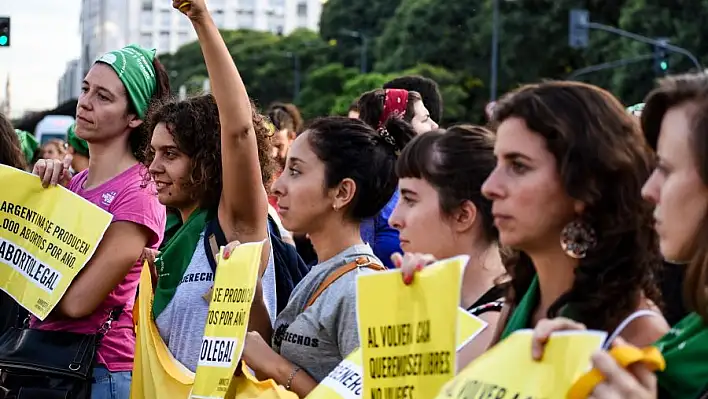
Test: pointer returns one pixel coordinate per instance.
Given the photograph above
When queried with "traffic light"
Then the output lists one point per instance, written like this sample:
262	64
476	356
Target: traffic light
578	30
661	57
4	31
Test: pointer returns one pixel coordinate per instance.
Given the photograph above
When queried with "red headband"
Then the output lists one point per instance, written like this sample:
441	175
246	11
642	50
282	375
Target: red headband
395	104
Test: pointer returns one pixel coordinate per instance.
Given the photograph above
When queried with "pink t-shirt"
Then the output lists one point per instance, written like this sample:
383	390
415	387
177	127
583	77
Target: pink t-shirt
124	197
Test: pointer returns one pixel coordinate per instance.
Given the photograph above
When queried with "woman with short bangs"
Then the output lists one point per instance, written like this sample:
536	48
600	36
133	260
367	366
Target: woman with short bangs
442	213
566	196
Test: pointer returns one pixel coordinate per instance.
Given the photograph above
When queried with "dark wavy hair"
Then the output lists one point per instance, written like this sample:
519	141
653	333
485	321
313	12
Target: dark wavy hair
675	91
10	148
456	162
349	148
603	160
194	124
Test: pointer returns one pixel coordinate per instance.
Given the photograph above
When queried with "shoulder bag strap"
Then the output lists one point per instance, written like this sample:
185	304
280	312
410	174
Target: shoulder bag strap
362	261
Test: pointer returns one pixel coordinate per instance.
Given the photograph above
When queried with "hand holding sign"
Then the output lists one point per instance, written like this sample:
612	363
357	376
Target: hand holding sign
53	171
411	263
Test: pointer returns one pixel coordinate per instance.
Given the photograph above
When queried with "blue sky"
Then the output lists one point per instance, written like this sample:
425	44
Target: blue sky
45	36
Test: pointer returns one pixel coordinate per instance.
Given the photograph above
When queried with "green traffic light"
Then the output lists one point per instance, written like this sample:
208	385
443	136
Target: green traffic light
3	40
664	65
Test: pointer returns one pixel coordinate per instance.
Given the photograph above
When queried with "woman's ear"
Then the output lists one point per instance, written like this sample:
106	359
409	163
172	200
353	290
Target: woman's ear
343	194
465	216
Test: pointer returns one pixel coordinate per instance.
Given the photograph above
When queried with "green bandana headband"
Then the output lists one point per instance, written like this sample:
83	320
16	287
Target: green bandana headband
28	144
133	64
79	145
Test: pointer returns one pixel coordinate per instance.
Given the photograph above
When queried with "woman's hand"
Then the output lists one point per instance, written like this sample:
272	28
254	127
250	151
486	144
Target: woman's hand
53	171
194	9
229	248
259	356
410	263
543	332
635	382
149	256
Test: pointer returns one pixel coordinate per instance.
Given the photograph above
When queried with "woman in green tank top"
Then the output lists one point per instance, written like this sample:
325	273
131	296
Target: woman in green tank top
566	196
675	120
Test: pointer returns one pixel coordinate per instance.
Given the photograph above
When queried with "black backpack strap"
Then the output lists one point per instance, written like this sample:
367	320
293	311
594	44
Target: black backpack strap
214	239
273	227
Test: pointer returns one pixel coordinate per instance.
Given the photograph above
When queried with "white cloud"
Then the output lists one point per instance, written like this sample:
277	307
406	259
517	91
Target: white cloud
45	36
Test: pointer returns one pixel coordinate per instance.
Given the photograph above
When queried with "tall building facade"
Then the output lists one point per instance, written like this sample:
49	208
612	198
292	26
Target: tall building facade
69	84
111	24
160	27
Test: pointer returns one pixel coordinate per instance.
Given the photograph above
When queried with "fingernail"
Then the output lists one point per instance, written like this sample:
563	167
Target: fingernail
407	279
419	267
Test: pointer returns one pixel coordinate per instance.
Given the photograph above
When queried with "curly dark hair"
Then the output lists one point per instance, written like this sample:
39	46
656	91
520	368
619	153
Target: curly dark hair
10	148
194	124
603	160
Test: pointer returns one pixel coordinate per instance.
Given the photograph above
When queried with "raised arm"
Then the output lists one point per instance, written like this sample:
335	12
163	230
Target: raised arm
243	207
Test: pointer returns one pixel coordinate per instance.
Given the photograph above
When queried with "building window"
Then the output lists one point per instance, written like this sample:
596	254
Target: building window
147	5
245	21
219	19
301	9
146	19
165	19
164	45
146	40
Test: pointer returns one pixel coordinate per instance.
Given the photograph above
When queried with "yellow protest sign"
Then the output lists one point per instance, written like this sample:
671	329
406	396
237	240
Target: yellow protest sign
227	321
468	327
46	237
345	381
507	371
408	346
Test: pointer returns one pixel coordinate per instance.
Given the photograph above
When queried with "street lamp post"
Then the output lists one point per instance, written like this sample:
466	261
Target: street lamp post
364	46
495	51
296	73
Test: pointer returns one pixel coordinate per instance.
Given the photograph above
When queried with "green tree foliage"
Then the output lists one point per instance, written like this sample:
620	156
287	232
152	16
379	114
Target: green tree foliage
368	17
450	42
356	86
322	88
680	21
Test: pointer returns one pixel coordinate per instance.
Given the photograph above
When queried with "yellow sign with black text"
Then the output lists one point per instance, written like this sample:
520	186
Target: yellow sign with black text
346	380
507	370
408	346
227	321
46	237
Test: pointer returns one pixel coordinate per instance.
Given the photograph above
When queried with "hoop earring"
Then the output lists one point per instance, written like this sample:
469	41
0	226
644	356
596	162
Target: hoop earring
577	238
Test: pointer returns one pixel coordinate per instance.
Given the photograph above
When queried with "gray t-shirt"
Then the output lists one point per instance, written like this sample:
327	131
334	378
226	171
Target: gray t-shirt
181	324
321	337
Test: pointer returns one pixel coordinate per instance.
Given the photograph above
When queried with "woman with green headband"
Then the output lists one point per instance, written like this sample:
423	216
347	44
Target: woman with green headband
675	117
114	99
